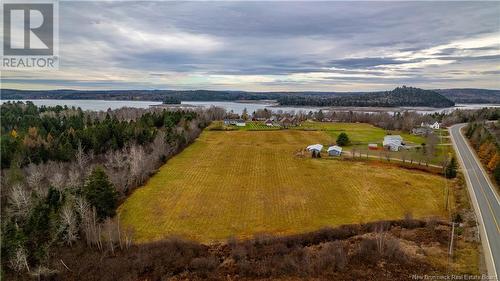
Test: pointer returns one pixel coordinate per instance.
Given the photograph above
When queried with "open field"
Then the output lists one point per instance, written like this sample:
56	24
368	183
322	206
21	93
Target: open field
360	135
244	182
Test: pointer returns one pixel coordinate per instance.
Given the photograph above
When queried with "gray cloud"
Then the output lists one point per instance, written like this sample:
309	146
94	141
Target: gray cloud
254	45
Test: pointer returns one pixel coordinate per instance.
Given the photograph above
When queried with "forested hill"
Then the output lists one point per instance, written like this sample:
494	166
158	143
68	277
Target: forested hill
291	98
154	95
471	95
401	96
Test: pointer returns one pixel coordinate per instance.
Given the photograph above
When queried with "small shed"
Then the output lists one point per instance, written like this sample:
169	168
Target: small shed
269	122
315	147
334	150
372	146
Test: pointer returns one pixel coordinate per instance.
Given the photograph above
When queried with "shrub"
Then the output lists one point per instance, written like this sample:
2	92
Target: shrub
342	139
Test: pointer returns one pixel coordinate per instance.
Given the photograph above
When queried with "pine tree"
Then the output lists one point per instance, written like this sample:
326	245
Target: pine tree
101	193
343	139
451	169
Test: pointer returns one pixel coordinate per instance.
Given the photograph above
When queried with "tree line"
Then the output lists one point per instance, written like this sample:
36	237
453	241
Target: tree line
456	95
401	96
485	142
31	134
49	202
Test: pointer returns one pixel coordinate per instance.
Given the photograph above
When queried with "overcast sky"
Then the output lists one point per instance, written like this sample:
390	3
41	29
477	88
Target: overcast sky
261	46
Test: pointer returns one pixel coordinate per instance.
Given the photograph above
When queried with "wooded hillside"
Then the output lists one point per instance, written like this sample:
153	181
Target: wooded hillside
401	96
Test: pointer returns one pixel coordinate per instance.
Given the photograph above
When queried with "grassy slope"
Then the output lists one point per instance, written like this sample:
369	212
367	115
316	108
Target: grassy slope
240	182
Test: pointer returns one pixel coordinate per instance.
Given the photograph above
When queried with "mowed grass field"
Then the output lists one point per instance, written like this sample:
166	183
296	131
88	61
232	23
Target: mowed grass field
239	183
359	133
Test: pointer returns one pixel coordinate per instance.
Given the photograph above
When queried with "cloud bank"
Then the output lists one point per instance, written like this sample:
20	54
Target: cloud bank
273	46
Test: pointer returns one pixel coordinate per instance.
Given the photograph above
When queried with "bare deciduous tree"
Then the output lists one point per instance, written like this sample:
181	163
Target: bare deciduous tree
69	223
58	181
20	200
19	261
81	158
136	161
34	176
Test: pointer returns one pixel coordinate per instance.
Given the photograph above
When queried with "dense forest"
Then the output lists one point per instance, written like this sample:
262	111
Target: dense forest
401	96
31	134
456	95
64	172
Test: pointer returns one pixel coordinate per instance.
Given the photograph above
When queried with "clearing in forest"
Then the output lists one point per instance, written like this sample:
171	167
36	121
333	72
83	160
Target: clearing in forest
239	183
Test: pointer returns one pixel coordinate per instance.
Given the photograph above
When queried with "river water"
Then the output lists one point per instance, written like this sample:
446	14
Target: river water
237	107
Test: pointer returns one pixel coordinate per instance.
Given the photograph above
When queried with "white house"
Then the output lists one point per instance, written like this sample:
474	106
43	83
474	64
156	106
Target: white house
315	147
393	142
434	125
334	150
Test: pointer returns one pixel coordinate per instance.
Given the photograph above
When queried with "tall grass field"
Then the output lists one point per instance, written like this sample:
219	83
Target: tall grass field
239	183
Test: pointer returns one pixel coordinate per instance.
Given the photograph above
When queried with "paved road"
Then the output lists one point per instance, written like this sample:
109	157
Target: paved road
484	198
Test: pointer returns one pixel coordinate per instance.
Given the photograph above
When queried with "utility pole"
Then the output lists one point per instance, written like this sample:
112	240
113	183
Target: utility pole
450	251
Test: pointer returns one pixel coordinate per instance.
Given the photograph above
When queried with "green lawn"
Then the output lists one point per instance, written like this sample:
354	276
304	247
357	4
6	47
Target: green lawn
359	133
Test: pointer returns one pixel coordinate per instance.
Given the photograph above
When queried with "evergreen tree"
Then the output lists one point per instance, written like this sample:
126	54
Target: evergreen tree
101	193
451	169
343	139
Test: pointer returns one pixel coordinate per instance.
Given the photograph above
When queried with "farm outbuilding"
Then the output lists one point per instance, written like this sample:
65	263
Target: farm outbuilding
315	147
373	146
334	150
393	142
